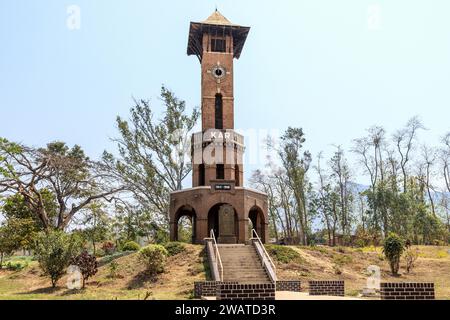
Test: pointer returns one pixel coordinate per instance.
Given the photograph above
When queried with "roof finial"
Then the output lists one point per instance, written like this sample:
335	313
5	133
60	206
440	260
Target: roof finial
216	8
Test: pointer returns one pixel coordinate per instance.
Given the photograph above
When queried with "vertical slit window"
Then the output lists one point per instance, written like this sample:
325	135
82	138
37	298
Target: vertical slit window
219	112
220	171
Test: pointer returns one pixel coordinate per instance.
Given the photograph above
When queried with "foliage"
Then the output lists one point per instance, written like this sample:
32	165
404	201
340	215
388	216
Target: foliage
109	247
154	256
15	234
283	254
113	272
96	224
131	246
87	263
16	265
54	251
15	207
393	248
411	255
174	248
73	179
154	154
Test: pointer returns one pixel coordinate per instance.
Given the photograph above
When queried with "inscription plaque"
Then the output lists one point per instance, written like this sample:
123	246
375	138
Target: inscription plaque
226	225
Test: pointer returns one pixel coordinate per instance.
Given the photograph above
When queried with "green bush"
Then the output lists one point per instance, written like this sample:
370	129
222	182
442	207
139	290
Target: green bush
16	265
283	254
131	246
54	251
154	256
174	248
393	248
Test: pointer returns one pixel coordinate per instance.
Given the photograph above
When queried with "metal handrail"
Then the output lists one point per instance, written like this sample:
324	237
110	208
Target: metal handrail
218	259
265	251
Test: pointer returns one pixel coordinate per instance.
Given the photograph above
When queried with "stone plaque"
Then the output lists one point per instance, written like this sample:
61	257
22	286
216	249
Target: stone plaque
226	224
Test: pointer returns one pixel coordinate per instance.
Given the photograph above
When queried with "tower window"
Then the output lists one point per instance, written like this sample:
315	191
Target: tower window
201	175
220	171
237	175
219	112
218	45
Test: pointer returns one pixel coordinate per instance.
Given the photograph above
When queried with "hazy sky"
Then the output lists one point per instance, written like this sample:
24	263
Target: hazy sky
332	67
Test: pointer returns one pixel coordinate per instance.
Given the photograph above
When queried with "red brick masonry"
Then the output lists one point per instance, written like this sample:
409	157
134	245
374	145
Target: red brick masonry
207	288
289	285
326	288
407	291
246	291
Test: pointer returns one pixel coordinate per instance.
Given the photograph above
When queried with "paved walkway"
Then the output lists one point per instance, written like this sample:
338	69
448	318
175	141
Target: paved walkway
288	295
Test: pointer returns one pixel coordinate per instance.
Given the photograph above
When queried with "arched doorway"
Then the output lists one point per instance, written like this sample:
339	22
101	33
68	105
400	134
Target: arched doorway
256	216
226	228
185	219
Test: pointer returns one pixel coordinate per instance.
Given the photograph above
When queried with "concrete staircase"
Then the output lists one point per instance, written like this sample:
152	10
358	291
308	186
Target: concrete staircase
241	263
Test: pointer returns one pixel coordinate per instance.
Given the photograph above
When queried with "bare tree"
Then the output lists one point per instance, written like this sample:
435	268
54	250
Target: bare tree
404	141
74	180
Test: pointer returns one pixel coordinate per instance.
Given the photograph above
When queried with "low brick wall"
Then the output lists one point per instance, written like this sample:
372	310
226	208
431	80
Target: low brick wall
207	288
407	291
289	285
326	288
246	292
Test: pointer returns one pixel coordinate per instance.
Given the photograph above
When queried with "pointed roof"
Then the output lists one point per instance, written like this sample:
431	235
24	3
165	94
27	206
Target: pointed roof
216	23
217	18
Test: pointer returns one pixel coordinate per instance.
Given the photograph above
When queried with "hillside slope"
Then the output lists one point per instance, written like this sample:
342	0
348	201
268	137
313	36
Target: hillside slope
323	263
131	281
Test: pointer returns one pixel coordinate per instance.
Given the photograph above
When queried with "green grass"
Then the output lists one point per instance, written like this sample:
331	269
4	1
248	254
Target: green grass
284	254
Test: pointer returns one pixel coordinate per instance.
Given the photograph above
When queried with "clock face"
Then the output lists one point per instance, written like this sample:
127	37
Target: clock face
218	72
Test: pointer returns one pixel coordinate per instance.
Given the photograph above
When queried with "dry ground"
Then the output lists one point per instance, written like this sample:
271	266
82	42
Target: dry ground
433	265
131	283
317	263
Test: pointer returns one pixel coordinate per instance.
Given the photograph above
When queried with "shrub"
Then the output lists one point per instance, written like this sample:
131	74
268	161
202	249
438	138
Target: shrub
174	248
108	247
393	248
283	254
131	246
411	257
16	265
154	256
113	266
54	251
88	265
337	269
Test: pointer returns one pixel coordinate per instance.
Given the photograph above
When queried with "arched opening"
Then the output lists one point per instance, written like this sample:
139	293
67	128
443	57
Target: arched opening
256	217
237	175
225	230
219	112
201	175
185	229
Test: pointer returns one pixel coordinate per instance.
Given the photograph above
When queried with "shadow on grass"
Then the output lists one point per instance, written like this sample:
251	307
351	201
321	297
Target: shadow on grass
46	290
140	280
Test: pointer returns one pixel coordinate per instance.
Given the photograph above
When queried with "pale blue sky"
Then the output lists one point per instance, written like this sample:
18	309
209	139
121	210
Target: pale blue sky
314	64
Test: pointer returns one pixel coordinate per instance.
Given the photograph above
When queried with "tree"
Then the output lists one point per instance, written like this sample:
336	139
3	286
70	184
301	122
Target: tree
393	248
153	154
73	179
87	263
404	140
7	243
296	166
96	224
54	251
341	175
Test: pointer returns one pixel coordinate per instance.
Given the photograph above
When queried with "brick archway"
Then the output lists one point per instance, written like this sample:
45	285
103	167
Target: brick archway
185	211
256	216
213	220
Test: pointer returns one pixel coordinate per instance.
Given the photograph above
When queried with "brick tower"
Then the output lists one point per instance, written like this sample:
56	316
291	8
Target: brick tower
217	200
